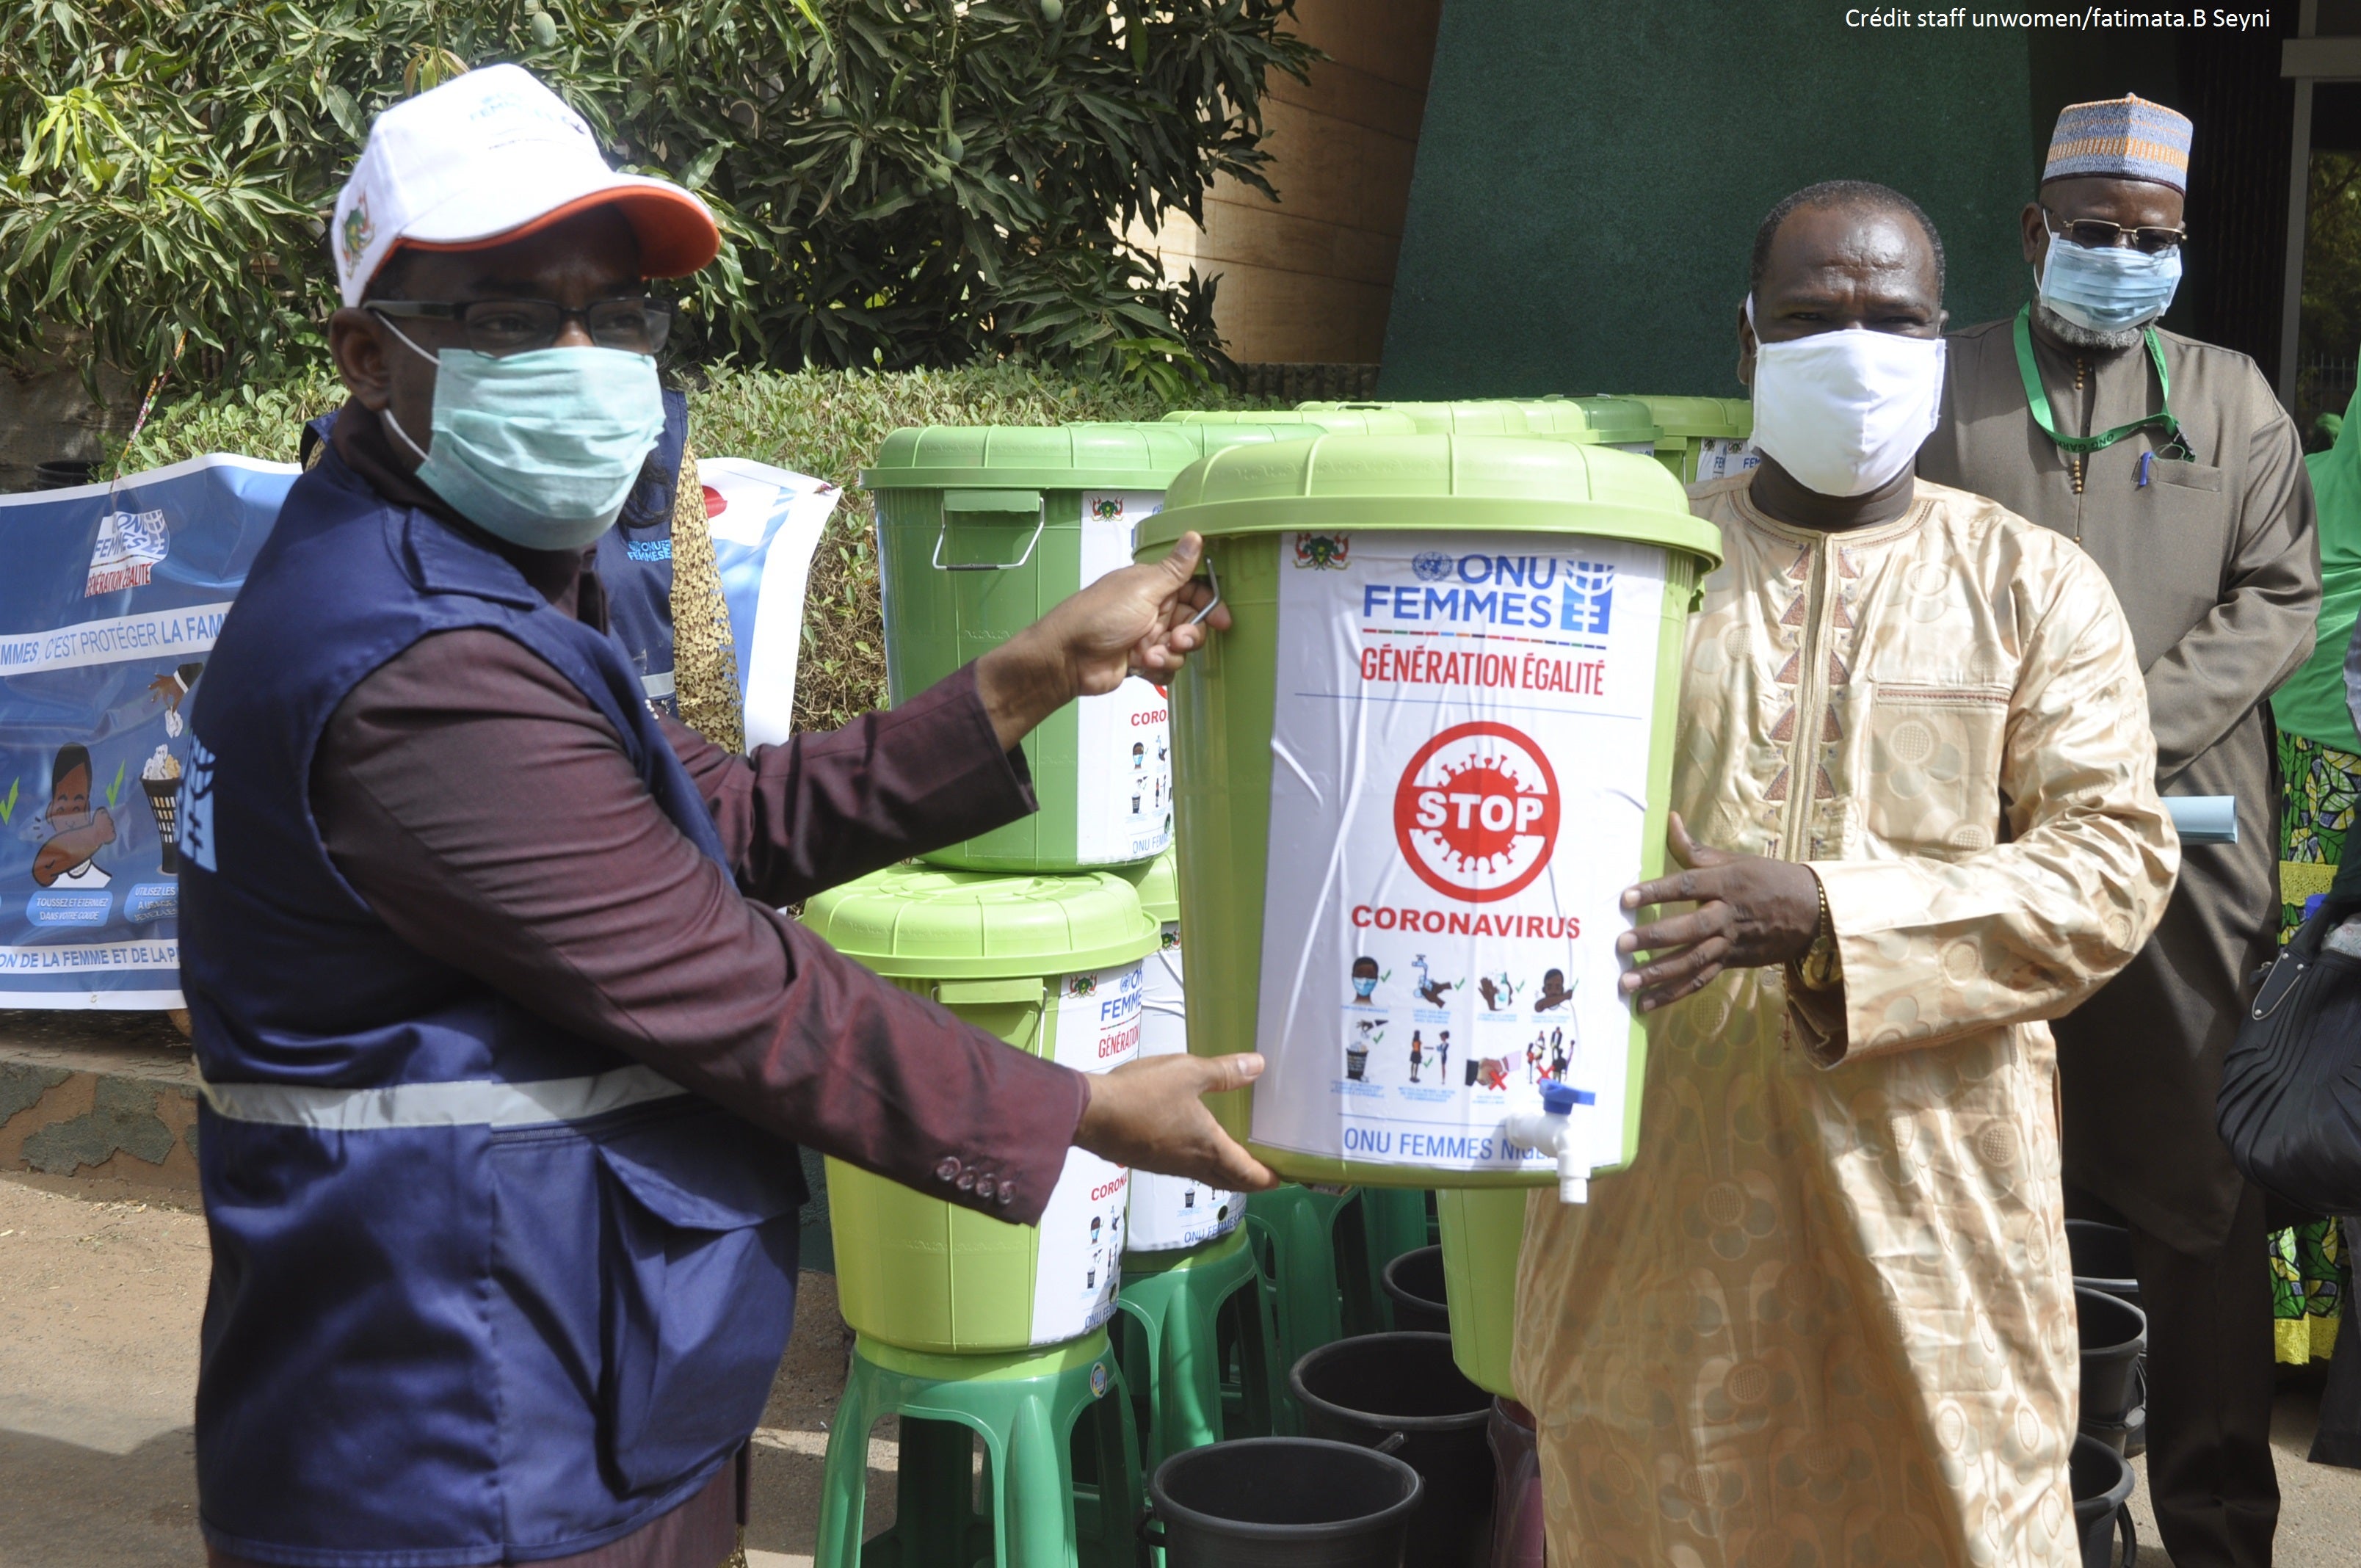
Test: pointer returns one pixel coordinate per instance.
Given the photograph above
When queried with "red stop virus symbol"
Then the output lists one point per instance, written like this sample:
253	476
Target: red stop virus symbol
1476	812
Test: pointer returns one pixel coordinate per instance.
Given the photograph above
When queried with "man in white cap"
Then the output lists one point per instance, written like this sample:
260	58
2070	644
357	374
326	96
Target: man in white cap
2173	466
504	1041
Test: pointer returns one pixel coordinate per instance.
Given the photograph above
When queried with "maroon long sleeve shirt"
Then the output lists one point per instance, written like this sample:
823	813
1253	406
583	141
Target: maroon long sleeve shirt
488	814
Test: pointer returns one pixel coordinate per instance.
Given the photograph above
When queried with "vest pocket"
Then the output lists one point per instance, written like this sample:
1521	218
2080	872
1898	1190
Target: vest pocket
698	1248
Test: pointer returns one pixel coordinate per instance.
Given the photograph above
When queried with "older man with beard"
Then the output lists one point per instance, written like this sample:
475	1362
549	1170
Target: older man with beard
2170	463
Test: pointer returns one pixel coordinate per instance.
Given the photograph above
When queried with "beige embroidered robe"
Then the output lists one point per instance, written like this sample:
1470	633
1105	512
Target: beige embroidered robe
1827	1316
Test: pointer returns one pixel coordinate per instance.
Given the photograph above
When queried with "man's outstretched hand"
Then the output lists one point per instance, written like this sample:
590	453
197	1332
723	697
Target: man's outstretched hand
1147	1114
1140	621
1751	911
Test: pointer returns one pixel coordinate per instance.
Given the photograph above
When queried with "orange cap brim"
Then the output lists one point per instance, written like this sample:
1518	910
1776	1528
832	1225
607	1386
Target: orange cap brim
676	232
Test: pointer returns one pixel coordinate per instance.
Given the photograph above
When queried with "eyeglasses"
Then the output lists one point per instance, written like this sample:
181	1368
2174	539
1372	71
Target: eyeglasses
2097	234
639	325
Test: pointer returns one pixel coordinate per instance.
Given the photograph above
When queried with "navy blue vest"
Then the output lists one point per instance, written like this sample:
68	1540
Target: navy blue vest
483	1291
635	562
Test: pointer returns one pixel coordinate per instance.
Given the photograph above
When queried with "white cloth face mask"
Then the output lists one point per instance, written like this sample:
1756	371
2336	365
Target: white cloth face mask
1845	411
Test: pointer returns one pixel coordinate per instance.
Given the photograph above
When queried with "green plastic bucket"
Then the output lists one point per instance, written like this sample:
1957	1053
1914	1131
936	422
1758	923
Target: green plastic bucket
1401	866
1483	1232
1358	419
1473	416
1702	434
1169	1214
980	531
1052	966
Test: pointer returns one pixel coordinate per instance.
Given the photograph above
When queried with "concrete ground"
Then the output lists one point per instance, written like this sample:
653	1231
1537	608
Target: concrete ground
102	1283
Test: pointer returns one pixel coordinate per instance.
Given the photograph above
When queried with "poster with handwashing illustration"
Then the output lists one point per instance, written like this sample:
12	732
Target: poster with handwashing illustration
1458	791
1123	809
1168	1212
111	601
1077	1266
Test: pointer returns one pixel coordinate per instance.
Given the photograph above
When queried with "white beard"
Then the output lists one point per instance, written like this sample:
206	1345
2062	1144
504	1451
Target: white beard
2076	335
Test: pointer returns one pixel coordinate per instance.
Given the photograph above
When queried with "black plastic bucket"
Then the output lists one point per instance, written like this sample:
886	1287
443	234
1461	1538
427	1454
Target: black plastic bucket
2102	1490
2101	1257
1402	1392
1283	1502
1414	1284
63	473
2113	1334
1517	1496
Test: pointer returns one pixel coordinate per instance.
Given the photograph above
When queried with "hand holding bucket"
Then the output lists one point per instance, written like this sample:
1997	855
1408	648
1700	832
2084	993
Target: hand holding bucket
1141	620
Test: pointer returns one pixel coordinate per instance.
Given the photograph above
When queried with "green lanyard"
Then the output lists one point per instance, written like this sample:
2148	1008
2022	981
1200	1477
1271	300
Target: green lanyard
2081	445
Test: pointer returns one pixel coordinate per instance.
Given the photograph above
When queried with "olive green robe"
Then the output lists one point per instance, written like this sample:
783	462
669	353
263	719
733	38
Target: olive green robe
2215	563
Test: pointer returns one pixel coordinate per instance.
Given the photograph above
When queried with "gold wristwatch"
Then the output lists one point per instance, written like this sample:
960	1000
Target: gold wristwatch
1822	967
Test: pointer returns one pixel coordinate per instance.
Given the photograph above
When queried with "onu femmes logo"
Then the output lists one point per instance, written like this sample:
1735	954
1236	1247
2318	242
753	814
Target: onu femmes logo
1589	599
129	547
1511	591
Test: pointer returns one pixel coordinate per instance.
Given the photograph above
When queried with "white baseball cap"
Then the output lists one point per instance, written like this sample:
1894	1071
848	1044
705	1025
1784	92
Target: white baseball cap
490	156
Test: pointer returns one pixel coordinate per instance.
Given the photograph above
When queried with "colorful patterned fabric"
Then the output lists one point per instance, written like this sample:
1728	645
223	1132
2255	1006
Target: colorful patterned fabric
2309	1271
2320	786
2123	138
1826	1315
2309	1277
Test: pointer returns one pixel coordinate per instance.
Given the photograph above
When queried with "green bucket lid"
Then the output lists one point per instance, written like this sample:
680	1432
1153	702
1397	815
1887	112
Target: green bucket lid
1473	416
1607	421
1205	438
1362	418
1439	483
1719	418
1031	457
924	923
1159	887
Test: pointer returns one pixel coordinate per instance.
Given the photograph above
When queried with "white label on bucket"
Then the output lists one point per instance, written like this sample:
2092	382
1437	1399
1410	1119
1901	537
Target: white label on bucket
1123	808
1720	457
1458	789
1171	1212
1080	1265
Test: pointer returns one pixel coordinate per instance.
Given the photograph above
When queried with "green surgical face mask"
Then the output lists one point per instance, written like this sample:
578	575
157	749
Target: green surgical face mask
539	448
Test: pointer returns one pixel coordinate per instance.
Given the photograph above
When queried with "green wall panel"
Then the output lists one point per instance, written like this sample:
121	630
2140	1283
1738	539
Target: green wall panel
1590	176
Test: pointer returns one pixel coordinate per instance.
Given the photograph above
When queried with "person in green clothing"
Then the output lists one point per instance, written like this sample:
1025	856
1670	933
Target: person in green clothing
2320	769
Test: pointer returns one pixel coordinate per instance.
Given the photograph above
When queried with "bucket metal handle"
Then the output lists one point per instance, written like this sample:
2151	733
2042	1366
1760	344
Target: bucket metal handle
991	501
1215	602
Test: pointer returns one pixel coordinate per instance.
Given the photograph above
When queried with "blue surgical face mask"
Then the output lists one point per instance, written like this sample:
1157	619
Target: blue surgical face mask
538	448
2109	289
1365	986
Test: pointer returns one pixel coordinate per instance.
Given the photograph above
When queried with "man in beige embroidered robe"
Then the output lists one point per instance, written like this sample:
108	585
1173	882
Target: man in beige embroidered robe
1826	1317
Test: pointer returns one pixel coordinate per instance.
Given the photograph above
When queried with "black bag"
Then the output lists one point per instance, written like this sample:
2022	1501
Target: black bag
2290	1103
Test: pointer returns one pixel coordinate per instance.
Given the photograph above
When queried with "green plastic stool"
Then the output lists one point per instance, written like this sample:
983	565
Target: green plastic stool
1061	1469
1187	1319
1394	1220
1313	1250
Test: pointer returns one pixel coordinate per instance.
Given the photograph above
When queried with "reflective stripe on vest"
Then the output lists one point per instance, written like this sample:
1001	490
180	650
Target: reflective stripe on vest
464	1104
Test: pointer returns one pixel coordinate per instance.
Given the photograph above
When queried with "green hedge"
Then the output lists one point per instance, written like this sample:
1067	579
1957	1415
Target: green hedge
829	424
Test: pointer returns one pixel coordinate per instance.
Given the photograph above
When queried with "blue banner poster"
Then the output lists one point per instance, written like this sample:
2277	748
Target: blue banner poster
110	604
